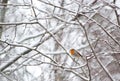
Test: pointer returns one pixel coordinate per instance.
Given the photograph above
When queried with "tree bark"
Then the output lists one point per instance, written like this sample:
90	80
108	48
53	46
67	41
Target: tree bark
2	14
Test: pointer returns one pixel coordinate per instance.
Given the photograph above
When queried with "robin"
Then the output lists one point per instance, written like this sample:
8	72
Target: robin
75	53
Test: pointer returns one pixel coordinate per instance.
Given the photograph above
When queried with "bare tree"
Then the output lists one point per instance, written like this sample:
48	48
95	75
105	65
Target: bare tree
36	36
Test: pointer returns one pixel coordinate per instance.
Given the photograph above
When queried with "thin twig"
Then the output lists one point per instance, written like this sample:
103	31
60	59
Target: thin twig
87	60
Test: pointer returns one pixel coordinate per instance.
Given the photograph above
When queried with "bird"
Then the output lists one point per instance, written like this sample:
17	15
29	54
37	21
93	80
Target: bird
77	56
75	53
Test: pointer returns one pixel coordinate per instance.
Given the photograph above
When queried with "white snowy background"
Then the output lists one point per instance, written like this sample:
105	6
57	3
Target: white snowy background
36	36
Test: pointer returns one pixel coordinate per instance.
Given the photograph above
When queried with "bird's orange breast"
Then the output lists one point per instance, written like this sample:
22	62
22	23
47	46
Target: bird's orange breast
72	51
